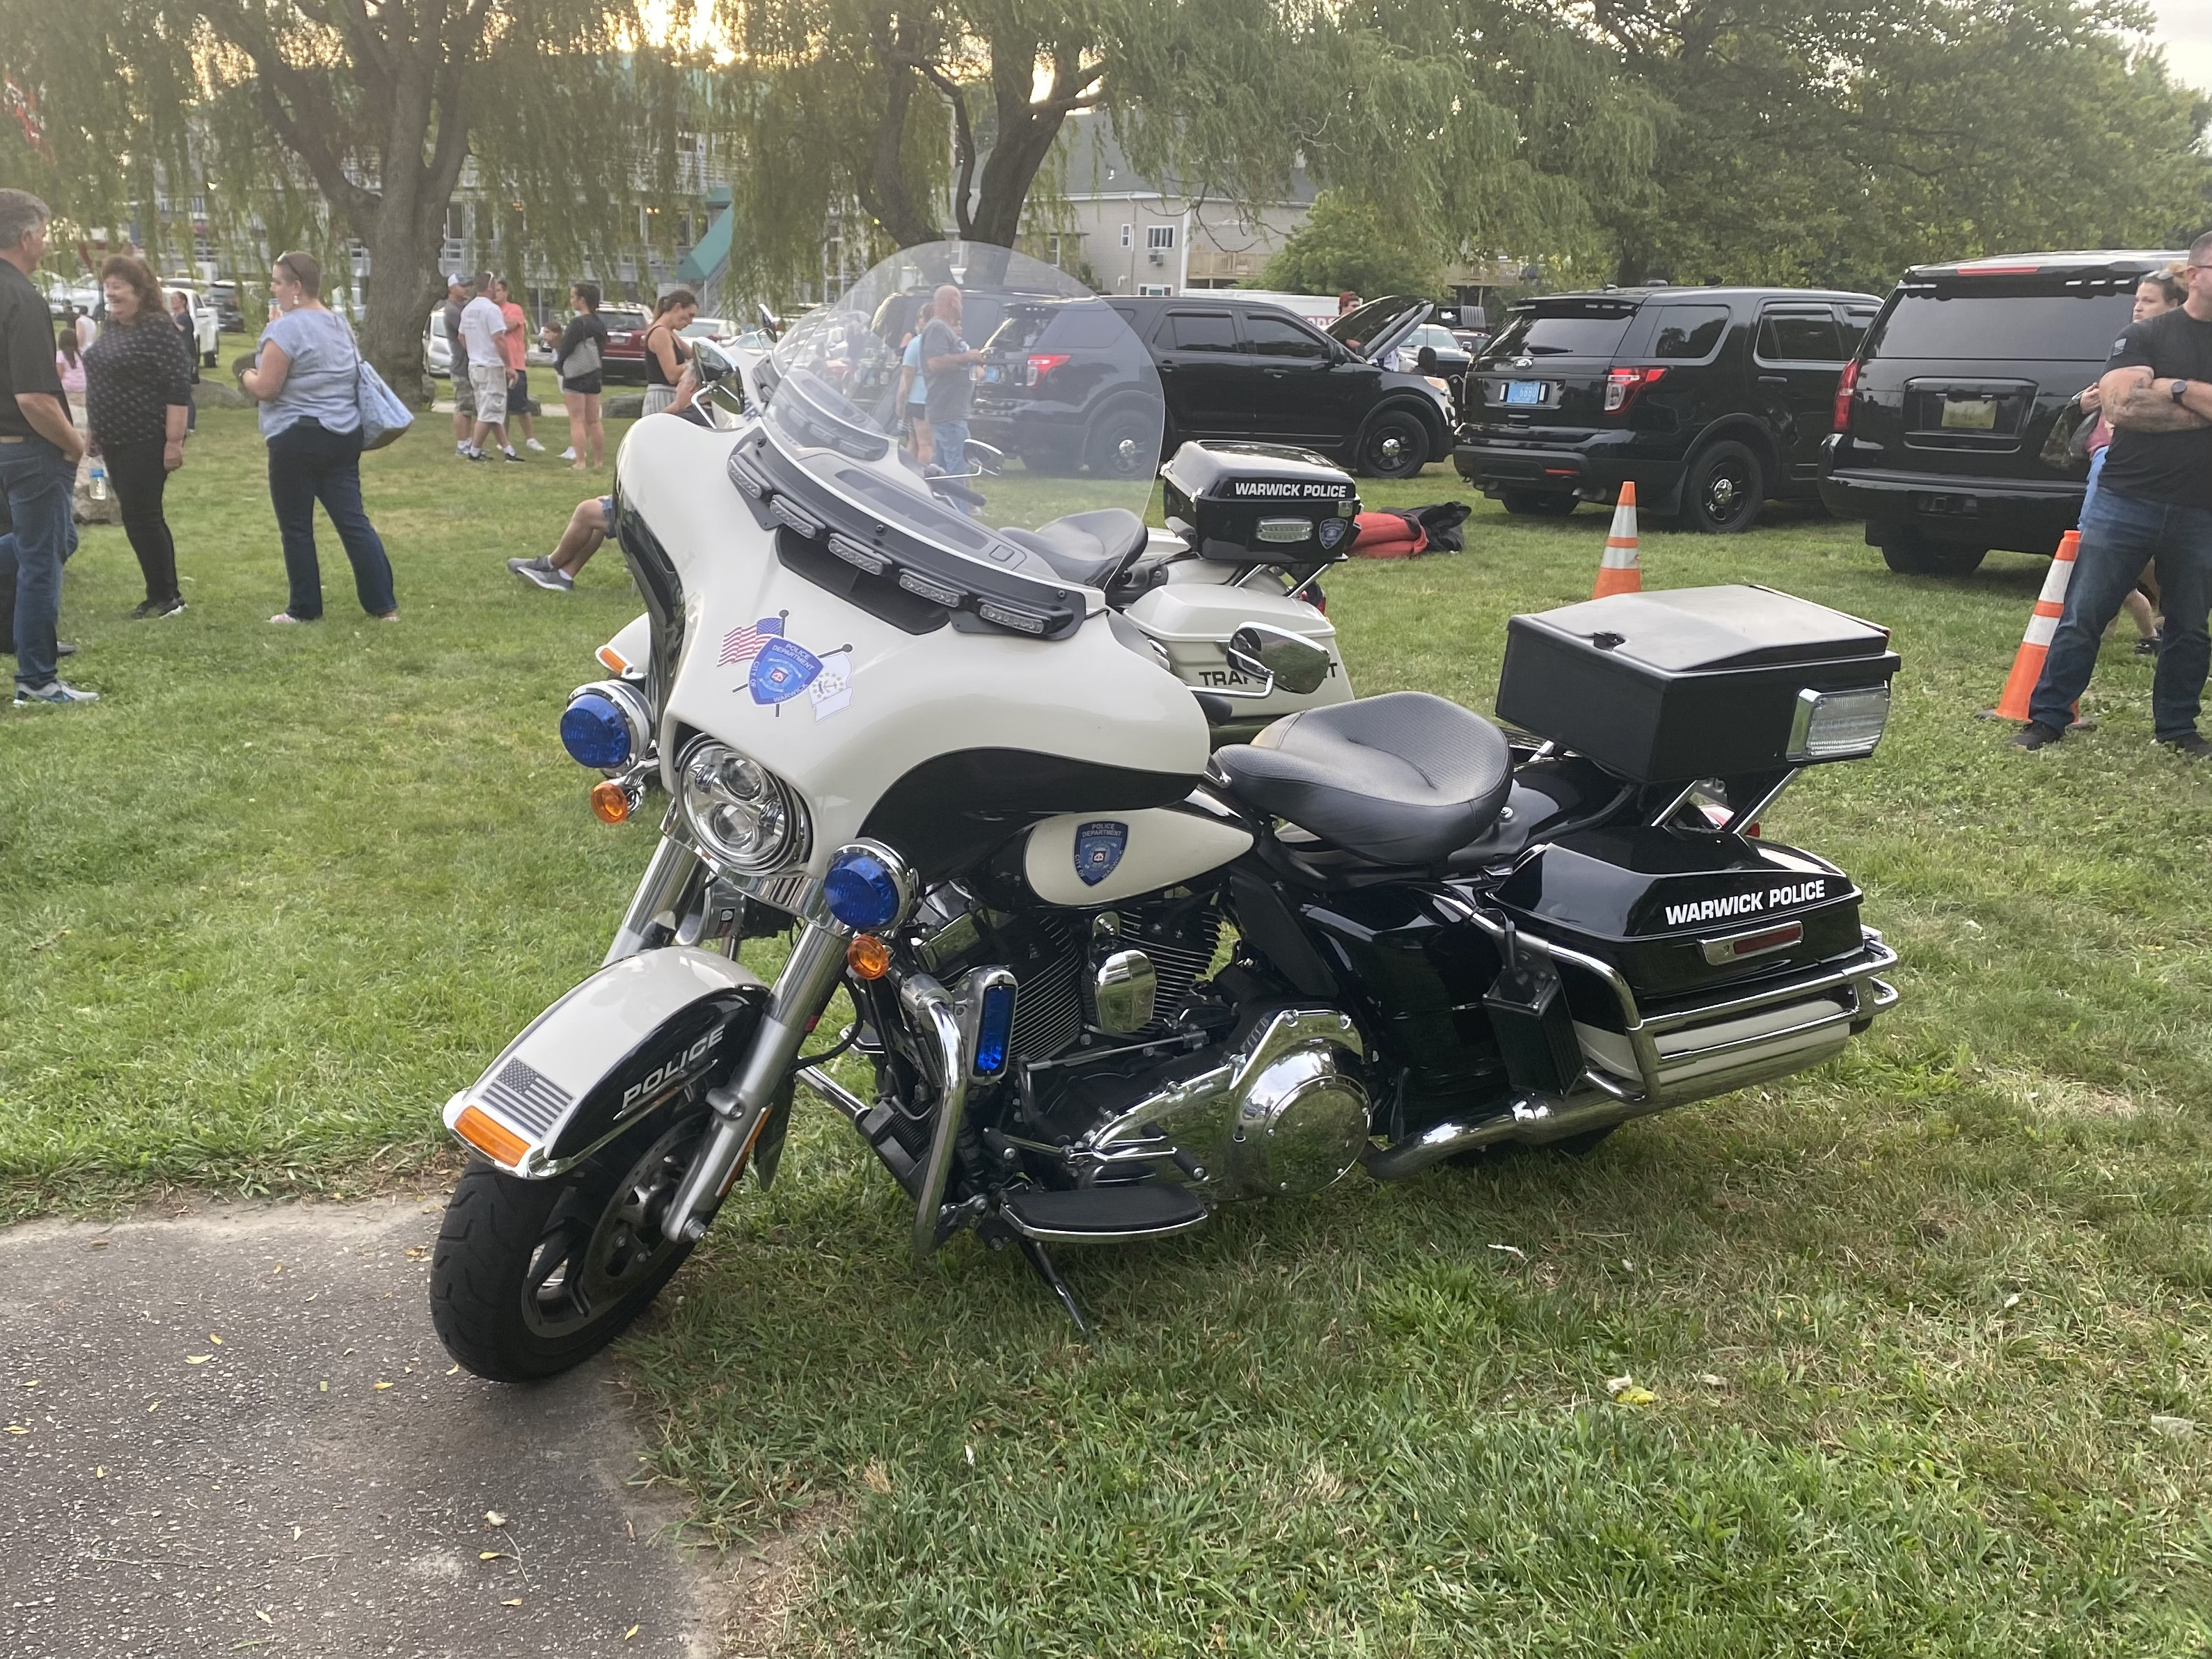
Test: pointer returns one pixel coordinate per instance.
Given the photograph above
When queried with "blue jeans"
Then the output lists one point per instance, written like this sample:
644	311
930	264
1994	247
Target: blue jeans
2096	470
949	440
41	489
307	464
2119	535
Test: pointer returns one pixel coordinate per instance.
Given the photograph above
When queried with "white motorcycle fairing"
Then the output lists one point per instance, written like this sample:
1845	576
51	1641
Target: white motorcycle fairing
939	742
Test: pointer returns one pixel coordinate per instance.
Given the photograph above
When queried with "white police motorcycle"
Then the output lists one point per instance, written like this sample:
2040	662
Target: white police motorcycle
1109	969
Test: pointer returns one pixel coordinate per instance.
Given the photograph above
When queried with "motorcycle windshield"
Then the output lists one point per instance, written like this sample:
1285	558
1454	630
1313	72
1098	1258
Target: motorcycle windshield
969	418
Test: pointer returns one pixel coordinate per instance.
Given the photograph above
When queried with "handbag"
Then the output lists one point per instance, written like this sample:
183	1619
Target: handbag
584	361
384	418
2067	447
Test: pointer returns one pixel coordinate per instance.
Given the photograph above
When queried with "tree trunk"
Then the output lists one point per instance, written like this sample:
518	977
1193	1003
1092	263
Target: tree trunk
402	285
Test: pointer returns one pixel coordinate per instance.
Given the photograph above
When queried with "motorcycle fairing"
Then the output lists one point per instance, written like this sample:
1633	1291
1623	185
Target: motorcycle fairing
639	1033
1085	705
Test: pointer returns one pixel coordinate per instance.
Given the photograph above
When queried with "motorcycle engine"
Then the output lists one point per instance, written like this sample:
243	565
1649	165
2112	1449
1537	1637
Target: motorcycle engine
1265	1100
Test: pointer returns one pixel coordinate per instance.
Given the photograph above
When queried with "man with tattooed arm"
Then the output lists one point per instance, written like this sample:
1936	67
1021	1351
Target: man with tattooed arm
2154	503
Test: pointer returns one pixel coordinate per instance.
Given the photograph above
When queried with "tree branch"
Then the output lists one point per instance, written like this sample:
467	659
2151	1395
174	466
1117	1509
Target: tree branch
963	141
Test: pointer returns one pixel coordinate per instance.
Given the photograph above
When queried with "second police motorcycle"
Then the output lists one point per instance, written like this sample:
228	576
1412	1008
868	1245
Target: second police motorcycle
1124	940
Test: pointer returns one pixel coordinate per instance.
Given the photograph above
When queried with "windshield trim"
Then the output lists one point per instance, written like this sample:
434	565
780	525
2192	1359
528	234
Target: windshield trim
1012	600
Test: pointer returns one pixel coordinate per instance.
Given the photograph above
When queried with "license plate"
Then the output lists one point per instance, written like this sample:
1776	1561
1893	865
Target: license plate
1971	414
1524	392
990	375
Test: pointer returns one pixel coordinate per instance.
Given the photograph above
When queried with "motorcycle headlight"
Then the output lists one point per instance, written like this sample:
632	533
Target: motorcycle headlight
740	814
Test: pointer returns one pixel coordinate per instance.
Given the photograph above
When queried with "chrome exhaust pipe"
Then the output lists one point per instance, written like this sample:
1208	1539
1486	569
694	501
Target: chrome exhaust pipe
1531	1119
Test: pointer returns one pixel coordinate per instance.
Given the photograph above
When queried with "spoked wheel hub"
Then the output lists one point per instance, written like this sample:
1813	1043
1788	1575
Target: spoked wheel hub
603	1240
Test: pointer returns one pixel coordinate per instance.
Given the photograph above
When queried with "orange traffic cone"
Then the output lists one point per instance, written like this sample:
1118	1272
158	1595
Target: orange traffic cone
1618	572
2042	624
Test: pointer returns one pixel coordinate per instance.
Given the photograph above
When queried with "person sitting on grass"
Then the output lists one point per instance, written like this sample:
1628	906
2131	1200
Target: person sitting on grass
594	520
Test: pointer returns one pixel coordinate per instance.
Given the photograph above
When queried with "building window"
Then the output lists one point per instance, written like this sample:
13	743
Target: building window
1128	235
1160	236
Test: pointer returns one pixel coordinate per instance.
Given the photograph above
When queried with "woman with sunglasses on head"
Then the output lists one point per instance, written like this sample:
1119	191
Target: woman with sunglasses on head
306	376
138	396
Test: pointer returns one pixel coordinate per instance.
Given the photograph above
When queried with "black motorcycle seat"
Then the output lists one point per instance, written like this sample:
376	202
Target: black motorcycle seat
1402	779
1088	549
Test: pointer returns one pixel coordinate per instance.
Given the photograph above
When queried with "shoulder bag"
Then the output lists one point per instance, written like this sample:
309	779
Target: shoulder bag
384	418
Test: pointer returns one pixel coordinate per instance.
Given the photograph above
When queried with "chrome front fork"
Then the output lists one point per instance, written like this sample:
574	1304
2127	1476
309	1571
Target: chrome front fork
802	990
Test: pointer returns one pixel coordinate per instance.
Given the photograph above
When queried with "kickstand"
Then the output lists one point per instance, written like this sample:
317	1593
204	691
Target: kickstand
1041	1261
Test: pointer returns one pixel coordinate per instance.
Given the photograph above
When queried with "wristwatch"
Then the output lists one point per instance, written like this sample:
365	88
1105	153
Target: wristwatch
2179	389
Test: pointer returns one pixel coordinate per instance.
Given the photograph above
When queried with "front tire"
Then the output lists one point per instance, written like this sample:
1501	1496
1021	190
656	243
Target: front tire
531	1278
1394	444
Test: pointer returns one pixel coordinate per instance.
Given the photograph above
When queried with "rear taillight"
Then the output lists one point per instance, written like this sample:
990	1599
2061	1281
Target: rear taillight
1621	386
1042	363
1312	594
1841	421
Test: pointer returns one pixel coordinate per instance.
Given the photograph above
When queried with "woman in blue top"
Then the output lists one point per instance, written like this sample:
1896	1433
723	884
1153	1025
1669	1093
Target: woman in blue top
913	389
306	376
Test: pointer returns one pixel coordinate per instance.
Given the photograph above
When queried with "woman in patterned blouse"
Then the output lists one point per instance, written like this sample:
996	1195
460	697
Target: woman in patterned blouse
138	393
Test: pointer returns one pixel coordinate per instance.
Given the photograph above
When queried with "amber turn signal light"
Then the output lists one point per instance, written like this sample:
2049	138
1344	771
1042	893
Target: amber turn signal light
609	802
868	957
493	1138
613	659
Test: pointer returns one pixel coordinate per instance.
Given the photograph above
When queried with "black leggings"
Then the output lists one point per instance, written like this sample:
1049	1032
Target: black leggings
140	480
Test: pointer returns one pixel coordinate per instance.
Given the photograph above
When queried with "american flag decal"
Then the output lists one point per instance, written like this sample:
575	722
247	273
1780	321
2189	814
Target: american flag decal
526	1098
744	644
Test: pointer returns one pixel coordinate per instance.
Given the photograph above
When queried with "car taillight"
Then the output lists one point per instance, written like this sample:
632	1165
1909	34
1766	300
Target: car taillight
1841	421
1621	385
1042	363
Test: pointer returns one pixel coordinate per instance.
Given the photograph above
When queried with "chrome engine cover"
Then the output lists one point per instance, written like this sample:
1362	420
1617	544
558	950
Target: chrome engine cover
1279	1115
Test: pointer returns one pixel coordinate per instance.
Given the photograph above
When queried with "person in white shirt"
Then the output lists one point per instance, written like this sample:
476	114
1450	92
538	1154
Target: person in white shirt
482	324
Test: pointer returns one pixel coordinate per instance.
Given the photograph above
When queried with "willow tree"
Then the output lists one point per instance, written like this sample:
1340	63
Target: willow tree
338	122
1475	123
1838	143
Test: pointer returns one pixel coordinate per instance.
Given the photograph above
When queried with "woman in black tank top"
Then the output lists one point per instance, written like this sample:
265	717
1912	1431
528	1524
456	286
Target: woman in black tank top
665	353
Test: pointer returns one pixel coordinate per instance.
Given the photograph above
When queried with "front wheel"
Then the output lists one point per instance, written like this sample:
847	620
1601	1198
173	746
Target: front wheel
1395	445
207	359
1725	489
530	1278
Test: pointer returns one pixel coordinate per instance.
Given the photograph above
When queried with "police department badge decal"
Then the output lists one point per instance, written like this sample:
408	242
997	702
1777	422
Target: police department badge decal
1098	848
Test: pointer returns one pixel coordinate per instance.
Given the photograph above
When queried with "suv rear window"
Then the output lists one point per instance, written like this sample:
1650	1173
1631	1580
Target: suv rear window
1581	331
1689	333
2009	327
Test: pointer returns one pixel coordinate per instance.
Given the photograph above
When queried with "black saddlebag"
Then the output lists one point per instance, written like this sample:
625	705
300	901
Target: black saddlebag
1698	682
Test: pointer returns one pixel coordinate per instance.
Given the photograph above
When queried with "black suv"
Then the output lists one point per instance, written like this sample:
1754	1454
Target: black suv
1941	420
1054	392
1710	400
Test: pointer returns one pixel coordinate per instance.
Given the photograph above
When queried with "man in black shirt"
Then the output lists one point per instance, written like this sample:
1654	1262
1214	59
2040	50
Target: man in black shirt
2155	501
40	449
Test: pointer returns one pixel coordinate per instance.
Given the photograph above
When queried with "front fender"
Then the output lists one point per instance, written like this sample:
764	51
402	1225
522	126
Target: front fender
642	1032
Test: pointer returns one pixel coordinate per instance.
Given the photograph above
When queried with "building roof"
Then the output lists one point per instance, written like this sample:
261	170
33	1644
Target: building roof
1098	169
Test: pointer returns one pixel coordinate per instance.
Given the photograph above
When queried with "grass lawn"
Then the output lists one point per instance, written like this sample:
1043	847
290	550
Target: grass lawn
1905	1324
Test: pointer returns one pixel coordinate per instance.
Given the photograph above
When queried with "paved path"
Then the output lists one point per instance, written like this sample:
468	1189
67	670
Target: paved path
235	1432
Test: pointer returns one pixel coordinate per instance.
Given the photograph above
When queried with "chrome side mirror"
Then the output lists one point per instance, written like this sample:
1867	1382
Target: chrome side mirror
987	460
1125	987
711	363
1278	658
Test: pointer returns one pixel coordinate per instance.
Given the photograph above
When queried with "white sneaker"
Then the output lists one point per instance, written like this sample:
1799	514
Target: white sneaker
569	453
460	448
532	443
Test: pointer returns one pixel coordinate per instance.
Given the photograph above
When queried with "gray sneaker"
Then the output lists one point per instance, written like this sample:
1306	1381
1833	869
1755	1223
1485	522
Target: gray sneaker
52	691
541	572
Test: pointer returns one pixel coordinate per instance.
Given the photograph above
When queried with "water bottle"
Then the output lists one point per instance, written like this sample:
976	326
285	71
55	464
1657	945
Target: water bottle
99	481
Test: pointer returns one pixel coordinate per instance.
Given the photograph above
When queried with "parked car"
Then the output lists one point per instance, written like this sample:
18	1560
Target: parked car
229	310
207	326
624	356
1941	419
1710	400
437	349
1051	388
